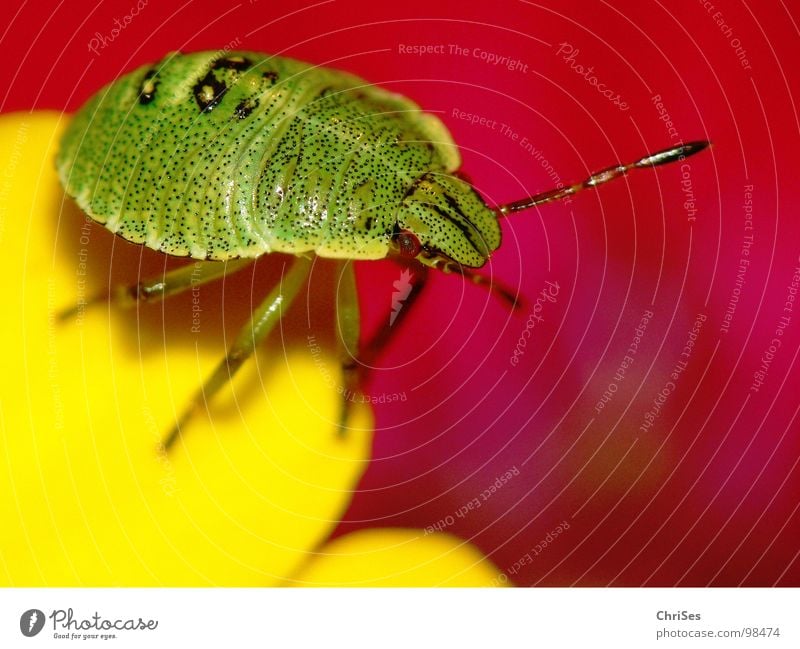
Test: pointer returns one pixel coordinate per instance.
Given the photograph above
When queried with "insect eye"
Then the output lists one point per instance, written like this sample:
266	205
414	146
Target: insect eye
407	243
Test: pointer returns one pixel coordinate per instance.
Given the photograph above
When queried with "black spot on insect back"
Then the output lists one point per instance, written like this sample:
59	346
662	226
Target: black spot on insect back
209	91
239	63
147	89
245	107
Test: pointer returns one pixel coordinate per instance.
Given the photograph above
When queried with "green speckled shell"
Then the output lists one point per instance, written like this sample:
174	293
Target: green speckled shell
236	155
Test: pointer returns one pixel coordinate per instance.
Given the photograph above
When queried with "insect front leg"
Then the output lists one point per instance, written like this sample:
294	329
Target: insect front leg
157	288
261	322
357	363
402	301
507	294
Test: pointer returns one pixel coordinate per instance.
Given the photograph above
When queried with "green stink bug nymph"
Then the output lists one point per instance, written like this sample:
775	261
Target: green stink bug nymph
229	157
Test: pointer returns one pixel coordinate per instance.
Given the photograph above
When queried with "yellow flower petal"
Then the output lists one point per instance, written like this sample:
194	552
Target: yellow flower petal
85	499
397	557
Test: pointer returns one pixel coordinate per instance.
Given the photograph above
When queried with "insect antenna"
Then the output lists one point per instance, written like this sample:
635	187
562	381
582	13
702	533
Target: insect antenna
665	156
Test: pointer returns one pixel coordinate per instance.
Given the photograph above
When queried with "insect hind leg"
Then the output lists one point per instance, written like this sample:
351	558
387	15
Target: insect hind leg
261	323
160	287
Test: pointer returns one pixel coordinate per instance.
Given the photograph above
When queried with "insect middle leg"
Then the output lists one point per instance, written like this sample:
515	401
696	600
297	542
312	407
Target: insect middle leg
261	322
162	286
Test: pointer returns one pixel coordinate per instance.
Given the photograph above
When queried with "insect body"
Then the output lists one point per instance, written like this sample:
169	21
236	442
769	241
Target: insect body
228	157
222	158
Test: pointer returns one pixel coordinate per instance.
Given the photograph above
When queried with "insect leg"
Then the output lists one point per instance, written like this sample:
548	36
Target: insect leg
599	177
348	328
356	364
261	322
395	318
505	293
157	288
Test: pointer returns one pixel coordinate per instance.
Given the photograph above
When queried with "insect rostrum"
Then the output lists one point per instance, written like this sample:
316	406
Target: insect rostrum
229	157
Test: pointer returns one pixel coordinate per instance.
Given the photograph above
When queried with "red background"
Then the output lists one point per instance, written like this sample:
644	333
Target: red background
707	496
